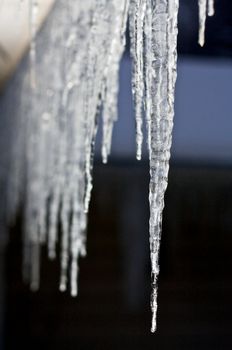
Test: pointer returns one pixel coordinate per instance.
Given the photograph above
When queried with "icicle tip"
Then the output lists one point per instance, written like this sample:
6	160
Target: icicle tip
34	286
201	40
51	254
153	323
62	287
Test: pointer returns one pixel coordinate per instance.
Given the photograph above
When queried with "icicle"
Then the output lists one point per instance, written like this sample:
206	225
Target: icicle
203	4
160	83
137	14
111	84
92	91
65	213
35	266
148	58
211	7
103	53
202	18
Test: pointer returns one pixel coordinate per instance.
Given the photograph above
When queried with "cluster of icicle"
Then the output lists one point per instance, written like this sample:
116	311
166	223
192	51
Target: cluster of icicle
70	82
74	82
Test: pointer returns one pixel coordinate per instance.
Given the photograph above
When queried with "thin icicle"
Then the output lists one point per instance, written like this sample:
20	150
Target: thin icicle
111	85
35	267
93	88
148	58
211	9
137	15
65	212
202	4
206	7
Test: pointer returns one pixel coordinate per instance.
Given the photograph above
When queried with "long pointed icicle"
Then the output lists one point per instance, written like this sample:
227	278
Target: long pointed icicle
163	77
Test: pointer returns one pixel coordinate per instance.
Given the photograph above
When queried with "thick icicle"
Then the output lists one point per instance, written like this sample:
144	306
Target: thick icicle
161	84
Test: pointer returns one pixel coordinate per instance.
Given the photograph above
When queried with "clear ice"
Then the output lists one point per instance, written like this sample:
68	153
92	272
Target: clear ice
71	83
153	31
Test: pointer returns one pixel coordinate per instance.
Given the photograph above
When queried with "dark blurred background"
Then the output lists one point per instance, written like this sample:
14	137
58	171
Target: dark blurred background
195	285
